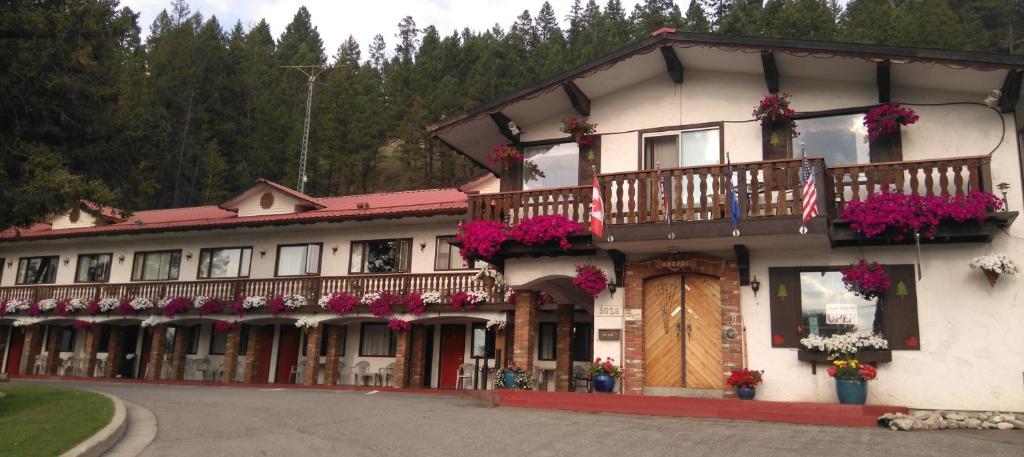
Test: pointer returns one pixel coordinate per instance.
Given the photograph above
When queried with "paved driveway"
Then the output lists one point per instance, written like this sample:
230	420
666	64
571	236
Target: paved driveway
225	421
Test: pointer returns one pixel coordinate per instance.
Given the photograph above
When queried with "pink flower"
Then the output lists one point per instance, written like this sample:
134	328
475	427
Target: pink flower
885	119
177	305
900	214
223	326
590	279
414	303
480	239
867	280
381	307
398	325
542	229
276	305
341	303
81	325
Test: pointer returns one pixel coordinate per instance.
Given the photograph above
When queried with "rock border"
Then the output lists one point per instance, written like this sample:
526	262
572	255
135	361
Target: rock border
951	420
107	437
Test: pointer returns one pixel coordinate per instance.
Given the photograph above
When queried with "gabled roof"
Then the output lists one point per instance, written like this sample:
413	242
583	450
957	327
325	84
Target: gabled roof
107	213
261	184
388	205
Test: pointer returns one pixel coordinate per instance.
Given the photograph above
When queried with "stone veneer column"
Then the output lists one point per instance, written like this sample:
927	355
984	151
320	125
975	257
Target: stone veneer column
157	347
178	357
31	349
331	367
92	346
113	353
309	374
563	343
53	337
525	337
402	353
418	352
231	348
252	355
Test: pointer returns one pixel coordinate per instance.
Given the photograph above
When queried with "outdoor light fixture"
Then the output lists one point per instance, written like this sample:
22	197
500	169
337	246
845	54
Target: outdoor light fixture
423	246
755	285
263	252
611	287
334	249
992	99
188	256
120	258
1003	187
66	260
9	263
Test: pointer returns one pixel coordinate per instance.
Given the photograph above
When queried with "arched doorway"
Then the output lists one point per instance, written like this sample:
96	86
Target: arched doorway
682	316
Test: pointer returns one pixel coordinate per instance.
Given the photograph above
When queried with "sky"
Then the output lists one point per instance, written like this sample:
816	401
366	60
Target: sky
337	19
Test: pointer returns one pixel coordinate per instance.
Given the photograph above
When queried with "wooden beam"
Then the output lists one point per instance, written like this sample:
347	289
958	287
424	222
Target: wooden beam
882	79
1011	91
672	64
580	101
771	71
502	121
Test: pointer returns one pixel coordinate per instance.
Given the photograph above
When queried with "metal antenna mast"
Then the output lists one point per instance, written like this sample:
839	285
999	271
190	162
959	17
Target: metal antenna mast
311	72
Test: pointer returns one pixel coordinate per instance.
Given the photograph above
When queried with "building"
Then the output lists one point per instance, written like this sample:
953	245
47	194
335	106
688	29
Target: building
688	300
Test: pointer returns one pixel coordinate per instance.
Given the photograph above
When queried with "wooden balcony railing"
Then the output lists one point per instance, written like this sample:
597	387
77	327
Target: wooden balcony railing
572	202
310	287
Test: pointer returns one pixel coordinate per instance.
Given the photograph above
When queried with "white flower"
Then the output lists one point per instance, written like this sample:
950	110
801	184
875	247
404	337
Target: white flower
294	301
996	263
431	298
306	322
477	297
16	305
163	302
253	302
47	304
151	321
323	300
140	303
109	304
76	304
198	302
23	322
369	298
496	324
488	272
844	343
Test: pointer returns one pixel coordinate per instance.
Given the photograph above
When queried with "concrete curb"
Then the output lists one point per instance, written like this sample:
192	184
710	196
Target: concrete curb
104	439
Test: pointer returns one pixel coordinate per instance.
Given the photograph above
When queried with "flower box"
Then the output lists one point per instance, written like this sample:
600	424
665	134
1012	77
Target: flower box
815	357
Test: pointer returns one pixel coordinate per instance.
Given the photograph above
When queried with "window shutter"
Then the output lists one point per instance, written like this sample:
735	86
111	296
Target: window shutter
784	296
590	161
313	259
512	174
900	307
777	141
887	148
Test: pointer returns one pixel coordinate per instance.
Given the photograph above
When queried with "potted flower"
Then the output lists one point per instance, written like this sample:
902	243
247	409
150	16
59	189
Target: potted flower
852	380
480	239
884	120
866	280
581	130
399	325
512	377
774	113
504	153
489	277
745	381
538	230
468	301
603	374
994	265
590	279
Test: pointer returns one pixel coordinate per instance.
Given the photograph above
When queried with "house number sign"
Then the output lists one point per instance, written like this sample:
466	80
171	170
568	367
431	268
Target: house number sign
609	311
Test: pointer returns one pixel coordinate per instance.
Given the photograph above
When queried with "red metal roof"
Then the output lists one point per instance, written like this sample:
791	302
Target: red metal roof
377	206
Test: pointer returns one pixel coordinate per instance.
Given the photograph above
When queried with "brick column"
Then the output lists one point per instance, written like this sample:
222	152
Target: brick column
402	353
53	350
113	353
92	346
157	346
331	368
231	354
252	355
418	352
31	349
732	317
563	342
309	375
180	351
525	338
633	331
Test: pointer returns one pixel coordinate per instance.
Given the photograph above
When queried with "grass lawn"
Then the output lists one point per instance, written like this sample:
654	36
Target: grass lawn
47	421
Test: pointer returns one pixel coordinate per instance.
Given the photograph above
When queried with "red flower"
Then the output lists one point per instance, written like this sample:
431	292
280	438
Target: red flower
481	239
832	371
885	119
590	279
542	229
867	280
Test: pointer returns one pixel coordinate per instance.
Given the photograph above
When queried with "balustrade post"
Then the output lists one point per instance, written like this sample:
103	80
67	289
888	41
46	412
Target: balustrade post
741	191
821	189
985	180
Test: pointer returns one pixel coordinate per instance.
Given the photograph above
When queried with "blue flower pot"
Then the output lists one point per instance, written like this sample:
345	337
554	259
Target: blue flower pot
746	392
604	383
851	391
510	380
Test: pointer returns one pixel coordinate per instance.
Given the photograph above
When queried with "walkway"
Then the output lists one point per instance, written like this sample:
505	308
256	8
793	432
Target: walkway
228	421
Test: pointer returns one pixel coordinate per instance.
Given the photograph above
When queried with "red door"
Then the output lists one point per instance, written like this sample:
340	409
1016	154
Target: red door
266	335
453	353
287	353
147	341
14	351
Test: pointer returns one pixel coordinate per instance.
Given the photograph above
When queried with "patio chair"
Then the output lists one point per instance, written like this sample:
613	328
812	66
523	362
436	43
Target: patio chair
68	367
386	374
464	373
201	367
99	368
580	377
360	373
339	375
39	365
297	371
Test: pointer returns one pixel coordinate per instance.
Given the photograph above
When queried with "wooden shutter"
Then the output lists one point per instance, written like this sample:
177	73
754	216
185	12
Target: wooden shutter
900	309
784	296
590	161
782	146
887	148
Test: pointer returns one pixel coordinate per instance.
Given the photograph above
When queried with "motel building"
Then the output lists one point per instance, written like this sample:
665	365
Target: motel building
700	283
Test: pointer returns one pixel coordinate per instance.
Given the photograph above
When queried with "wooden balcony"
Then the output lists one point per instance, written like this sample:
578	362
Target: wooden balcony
225	290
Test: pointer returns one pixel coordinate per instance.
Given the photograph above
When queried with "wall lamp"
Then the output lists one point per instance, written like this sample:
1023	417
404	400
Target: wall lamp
755	285
423	246
334	249
188	256
611	288
1003	187
67	261
263	252
120	258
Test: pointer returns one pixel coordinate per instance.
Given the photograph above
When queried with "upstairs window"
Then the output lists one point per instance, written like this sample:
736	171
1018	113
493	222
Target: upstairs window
380	256
93	268
224	263
156	266
37	270
687	147
552	165
449	257
840	139
298	259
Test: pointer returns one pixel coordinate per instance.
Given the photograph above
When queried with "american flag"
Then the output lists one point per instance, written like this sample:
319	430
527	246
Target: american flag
810	194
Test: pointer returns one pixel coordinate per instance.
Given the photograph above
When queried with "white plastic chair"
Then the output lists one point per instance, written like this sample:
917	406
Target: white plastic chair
360	372
464	373
201	368
386	374
99	368
339	375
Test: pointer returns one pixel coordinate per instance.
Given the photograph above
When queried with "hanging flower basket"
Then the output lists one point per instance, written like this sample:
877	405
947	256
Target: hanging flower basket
590	279
398	325
580	129
994	265
481	239
884	120
339	302
773	111
505	153
866	280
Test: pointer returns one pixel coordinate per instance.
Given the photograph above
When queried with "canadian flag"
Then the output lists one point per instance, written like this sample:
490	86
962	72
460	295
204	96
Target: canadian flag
597	211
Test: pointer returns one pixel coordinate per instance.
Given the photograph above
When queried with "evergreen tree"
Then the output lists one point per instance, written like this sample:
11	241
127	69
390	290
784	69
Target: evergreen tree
695	19
651	15
869	21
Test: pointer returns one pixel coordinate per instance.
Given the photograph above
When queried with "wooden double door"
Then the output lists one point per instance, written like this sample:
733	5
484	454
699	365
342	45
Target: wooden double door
682	332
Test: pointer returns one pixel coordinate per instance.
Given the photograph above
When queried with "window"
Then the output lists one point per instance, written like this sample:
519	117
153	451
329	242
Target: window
243	339
448	257
683	148
93	268
376	340
67	338
193	339
37	270
169	340
546	343
841	139
483	342
827	308
553	165
224	263
583	342
298	259
104	339
218	343
380	256
323	342
156	266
